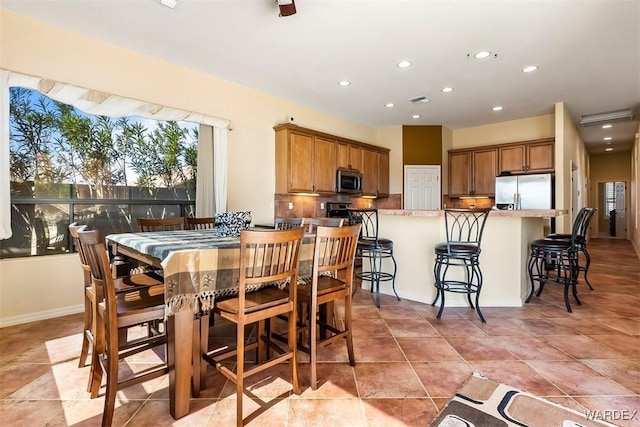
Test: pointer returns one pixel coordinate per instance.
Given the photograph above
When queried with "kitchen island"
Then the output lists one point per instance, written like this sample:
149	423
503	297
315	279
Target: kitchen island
503	261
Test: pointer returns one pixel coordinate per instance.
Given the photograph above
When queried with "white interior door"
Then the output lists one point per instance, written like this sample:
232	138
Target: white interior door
621	213
422	187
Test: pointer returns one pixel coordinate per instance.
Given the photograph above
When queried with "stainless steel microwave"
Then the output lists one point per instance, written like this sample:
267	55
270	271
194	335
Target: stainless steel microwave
348	181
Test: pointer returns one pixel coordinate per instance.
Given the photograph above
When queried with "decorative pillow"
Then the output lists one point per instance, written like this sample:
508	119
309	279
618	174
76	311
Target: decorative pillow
230	224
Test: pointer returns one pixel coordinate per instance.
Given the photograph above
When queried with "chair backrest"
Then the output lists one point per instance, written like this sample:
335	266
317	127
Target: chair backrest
93	246
288	223
313	223
163	224
205	223
74	228
581	224
465	226
335	249
268	257
368	219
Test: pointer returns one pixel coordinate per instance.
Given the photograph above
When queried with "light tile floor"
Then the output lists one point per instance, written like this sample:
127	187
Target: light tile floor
409	363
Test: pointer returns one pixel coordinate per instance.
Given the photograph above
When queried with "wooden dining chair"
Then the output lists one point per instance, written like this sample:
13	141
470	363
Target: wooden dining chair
203	223
331	281
312	223
122	284
267	258
116	311
288	223
161	224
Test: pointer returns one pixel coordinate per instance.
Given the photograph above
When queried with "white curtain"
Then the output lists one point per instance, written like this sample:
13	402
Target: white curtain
100	103
211	192
220	155
205	202
5	200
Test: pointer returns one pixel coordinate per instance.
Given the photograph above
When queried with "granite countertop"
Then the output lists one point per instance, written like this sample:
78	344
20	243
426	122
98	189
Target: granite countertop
517	213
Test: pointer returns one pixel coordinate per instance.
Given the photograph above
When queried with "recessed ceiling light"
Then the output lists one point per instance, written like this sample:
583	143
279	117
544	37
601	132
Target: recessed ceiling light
169	3
404	64
606	126
529	68
415	116
608	149
607	138
446	89
482	54
497	108
389	105
344	83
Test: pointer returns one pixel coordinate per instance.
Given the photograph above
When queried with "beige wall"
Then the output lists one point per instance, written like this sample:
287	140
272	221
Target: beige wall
537	127
570	155
634	214
391	138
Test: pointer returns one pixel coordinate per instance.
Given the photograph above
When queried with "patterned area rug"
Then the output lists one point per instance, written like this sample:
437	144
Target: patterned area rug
482	402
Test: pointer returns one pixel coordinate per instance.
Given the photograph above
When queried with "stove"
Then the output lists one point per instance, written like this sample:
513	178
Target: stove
338	209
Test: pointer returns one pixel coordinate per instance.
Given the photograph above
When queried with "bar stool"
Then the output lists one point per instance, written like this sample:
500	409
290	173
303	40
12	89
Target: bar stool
556	260
374	248
464	228
583	219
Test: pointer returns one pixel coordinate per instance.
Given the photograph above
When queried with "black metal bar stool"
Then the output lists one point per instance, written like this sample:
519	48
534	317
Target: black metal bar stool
373	248
556	261
584	219
464	229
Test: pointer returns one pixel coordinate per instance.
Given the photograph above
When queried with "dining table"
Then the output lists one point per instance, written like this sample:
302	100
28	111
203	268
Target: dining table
198	267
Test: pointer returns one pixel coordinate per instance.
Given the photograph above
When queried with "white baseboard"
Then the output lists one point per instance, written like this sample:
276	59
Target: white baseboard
453	302
41	315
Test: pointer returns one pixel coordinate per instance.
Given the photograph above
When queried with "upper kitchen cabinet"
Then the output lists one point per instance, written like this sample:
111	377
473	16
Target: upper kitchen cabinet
369	172
459	173
305	163
307	160
383	174
472	172
349	156
485	168
527	157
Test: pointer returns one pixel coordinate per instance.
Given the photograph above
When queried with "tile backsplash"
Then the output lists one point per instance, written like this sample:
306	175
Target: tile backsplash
315	206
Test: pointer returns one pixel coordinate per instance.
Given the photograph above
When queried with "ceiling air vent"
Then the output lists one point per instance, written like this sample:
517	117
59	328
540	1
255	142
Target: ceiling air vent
420	100
601	118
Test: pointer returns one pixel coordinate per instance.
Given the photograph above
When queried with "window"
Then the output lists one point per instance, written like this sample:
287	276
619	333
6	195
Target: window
67	166
609	197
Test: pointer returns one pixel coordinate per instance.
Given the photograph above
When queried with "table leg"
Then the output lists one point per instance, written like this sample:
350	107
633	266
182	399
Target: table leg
179	358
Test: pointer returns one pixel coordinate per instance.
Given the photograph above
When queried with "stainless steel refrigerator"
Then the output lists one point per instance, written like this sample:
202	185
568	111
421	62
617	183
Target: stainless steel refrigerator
534	191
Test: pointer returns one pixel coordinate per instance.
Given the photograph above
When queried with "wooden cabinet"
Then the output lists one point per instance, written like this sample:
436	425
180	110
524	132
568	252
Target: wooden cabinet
324	169
383	174
369	173
527	157
473	172
307	160
541	156
459	173
304	163
299	164
349	156
484	167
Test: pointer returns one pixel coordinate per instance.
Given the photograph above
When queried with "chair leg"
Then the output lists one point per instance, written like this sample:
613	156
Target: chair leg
112	379
478	273
292	341
347	324
239	372
436	275
586	267
395	270
84	353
